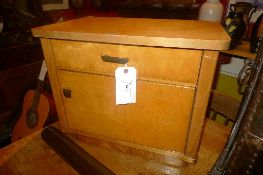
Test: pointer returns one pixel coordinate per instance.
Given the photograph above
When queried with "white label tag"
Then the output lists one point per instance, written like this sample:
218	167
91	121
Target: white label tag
125	85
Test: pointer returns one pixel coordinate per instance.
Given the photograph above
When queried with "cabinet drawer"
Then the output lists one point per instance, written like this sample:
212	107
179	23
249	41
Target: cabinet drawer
179	65
158	119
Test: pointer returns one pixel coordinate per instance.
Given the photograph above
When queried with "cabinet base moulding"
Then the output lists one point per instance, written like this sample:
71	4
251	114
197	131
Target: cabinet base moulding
171	158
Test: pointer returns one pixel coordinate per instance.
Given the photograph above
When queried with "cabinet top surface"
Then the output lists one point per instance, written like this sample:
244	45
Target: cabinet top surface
138	31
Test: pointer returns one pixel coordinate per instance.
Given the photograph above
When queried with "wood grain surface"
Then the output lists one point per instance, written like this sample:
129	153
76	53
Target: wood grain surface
50	62
138	31
207	71
156	122
241	51
167	114
31	155
153	64
173	81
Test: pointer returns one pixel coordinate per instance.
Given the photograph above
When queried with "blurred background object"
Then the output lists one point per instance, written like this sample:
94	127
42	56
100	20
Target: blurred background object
211	10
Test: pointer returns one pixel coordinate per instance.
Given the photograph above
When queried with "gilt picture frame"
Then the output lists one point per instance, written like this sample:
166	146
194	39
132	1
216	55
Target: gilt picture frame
54	4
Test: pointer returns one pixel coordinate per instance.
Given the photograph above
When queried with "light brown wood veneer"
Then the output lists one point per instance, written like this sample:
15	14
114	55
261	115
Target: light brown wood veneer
175	61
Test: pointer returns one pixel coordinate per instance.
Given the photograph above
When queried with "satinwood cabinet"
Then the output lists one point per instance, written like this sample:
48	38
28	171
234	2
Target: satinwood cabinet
175	62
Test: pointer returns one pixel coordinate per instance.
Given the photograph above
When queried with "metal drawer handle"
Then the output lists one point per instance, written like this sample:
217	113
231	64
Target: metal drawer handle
111	59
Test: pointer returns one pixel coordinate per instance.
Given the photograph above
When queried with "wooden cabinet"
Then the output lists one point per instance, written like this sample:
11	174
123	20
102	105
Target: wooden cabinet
175	61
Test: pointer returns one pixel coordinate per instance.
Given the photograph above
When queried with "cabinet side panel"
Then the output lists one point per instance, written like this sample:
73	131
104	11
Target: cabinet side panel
208	66
49	58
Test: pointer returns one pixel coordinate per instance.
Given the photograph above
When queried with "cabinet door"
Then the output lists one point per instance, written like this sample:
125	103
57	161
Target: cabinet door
158	119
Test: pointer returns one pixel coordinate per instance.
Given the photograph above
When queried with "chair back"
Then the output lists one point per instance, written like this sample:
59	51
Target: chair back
224	105
243	152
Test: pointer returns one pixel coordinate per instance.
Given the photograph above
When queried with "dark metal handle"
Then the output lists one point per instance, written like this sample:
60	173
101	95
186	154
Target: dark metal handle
67	93
111	59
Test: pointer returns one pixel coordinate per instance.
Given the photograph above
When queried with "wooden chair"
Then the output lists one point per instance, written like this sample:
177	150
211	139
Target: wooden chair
223	104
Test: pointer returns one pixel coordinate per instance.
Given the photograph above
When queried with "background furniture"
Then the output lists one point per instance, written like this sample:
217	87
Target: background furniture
18	73
20	65
223	102
241	51
224	105
13	84
243	151
20	57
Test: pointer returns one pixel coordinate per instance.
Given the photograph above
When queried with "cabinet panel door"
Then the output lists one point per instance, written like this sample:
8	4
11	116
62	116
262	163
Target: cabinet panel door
181	65
159	118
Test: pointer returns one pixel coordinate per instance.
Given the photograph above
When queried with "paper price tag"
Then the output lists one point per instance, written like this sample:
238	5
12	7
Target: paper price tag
125	85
